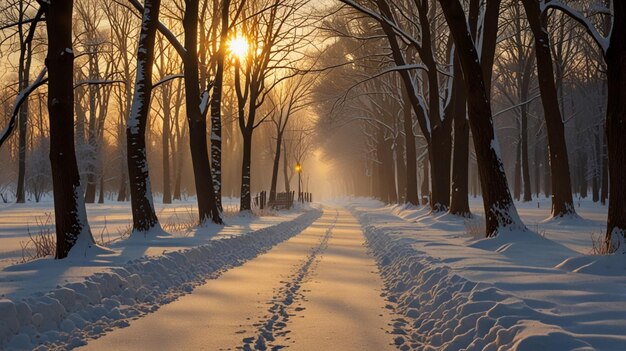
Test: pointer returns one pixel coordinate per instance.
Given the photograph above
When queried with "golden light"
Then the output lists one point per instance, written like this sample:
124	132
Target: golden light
298	168
239	47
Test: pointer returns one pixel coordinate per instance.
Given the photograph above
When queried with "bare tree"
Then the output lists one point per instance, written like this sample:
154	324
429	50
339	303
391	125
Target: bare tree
144	216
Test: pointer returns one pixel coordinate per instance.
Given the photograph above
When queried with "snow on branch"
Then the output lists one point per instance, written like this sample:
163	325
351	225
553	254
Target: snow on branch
602	41
406	37
22	96
97	82
167	79
165	31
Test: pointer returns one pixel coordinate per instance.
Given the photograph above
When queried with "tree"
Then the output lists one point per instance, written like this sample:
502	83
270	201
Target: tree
500	210
70	215
613	47
274	34
562	202
292	97
144	215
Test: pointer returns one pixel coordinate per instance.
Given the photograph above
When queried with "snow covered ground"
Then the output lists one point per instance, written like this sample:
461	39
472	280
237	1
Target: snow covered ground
108	222
317	291
520	291
47	301
382	277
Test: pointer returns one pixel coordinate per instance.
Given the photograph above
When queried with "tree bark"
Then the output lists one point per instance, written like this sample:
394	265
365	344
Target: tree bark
562	202
410	152
165	143
604	193
426	179
597	165
275	166
144	216
500	210
207	206
216	112
23	82
517	177
459	203
616	128
245	203
69	208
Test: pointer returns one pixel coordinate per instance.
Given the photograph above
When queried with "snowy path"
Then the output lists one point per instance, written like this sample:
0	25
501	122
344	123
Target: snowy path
318	290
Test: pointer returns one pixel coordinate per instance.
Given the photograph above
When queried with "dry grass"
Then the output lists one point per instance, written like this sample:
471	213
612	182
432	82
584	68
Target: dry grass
600	246
182	222
41	240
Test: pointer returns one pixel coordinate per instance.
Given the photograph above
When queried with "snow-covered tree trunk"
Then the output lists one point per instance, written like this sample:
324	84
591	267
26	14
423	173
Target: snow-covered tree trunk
216	105
207	206
144	216
69	207
500	210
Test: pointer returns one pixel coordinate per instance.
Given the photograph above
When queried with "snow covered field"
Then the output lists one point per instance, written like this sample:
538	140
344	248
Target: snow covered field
520	291
380	278
42	301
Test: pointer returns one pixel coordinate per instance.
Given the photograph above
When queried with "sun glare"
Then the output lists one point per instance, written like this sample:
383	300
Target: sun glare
239	47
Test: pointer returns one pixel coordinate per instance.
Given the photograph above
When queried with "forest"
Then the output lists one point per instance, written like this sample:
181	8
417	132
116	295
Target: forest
486	114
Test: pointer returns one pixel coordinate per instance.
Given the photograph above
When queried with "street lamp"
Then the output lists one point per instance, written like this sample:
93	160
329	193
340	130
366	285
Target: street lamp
299	171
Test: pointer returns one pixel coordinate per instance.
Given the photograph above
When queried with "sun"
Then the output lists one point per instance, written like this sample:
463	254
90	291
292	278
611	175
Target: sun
239	47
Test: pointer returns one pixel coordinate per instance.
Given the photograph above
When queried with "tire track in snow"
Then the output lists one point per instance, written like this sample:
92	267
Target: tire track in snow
272	327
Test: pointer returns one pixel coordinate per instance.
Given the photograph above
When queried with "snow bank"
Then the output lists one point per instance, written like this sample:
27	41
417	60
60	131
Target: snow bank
68	315
441	310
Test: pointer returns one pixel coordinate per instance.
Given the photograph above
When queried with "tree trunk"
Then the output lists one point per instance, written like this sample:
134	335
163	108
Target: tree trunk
144	216
517	177
583	173
500	210
547	174
275	165
286	169
597	165
24	81
459	204
101	192
537	163
90	190
410	152
525	163
246	197
426	179
562	202
605	171
616	128
69	208
440	162
165	141
216	112
207	206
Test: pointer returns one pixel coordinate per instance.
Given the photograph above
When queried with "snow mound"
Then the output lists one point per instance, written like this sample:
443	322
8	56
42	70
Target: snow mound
608	265
441	310
68	315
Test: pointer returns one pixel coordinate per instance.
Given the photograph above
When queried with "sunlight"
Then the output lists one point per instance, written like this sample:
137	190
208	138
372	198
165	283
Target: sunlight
239	47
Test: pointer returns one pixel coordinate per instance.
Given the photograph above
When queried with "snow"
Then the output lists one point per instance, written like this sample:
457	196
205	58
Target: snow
376	278
318	289
518	291
61	303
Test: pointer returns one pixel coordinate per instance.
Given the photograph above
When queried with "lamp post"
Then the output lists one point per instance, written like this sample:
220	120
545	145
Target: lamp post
299	171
